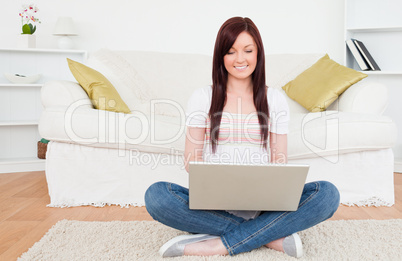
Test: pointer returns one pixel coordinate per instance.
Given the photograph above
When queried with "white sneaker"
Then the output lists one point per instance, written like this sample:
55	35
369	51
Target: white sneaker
292	245
175	246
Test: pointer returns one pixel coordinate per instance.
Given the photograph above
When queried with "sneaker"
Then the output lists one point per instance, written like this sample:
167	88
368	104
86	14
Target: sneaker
175	246
292	245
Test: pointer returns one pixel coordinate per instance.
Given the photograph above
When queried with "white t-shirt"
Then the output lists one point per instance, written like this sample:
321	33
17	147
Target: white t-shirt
239	134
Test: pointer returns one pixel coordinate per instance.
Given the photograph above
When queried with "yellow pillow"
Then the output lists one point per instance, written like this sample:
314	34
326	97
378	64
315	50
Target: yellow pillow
99	89
321	84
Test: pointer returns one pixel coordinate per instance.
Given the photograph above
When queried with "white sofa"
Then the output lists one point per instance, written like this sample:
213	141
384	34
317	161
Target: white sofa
99	157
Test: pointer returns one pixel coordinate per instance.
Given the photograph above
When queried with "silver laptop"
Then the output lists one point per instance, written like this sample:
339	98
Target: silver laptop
273	187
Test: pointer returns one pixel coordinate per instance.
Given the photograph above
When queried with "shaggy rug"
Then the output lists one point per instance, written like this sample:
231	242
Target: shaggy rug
140	240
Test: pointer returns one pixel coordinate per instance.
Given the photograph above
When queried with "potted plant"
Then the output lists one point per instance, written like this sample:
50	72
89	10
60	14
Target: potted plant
29	17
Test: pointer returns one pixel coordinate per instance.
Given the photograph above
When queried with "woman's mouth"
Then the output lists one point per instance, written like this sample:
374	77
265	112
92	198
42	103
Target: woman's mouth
241	68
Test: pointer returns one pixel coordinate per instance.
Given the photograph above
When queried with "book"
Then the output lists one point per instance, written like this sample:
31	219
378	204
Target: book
366	55
357	55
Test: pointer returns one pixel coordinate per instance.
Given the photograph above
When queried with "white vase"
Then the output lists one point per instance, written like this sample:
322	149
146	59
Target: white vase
26	41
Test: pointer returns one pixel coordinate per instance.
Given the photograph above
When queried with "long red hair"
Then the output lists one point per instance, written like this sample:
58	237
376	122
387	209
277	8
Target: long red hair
225	39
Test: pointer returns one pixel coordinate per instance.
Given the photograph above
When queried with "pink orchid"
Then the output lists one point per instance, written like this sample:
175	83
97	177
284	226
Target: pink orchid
27	17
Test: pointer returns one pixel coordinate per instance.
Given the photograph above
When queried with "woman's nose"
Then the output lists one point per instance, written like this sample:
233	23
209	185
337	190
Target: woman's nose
240	58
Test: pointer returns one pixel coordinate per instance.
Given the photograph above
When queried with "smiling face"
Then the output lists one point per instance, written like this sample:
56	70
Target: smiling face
241	59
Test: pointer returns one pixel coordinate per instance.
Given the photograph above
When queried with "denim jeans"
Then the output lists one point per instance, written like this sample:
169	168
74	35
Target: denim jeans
168	204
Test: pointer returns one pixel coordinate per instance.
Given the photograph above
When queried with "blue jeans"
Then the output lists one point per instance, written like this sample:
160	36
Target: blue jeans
168	204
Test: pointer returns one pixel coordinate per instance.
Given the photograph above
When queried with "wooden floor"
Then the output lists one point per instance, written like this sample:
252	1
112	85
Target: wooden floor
24	217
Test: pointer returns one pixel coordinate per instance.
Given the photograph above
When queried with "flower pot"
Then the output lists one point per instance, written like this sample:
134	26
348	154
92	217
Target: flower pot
42	148
26	41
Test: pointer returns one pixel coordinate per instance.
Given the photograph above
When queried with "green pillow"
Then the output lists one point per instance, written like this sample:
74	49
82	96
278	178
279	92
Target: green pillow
321	84
99	89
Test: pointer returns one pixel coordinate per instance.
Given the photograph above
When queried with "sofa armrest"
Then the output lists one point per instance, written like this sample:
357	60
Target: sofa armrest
56	94
69	116
107	129
75	123
364	97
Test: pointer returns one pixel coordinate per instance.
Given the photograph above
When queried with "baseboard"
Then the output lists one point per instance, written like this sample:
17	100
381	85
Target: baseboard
398	166
22	165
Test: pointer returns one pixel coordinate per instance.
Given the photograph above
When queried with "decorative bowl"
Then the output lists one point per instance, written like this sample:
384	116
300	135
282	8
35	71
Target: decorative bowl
17	78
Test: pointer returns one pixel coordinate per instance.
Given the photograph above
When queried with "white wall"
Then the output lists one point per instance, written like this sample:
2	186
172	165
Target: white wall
286	26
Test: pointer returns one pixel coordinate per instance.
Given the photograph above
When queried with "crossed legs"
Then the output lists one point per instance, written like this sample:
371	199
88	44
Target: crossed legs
168	204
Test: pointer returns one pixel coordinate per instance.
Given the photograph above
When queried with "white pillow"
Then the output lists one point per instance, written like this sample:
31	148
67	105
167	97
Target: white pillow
172	76
283	68
134	91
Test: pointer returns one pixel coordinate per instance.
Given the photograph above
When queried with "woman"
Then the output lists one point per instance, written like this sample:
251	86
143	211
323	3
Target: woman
238	96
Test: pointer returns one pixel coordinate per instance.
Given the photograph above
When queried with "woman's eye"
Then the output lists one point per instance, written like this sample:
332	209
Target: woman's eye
230	52
249	51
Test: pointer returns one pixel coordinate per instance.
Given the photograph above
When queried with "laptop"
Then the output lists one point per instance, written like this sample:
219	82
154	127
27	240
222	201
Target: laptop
273	187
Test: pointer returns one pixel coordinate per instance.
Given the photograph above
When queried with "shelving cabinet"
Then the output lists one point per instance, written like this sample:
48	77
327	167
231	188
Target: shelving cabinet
20	104
378	24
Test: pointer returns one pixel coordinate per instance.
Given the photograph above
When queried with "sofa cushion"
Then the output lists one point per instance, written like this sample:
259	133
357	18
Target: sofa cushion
104	129
99	89
330	133
321	84
310	135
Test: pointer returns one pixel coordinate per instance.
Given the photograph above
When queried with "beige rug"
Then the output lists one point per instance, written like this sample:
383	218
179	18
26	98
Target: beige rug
140	240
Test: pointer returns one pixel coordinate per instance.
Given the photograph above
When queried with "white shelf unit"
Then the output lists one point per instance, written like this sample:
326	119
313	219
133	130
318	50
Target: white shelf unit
20	104
375	29
18	123
383	45
378	24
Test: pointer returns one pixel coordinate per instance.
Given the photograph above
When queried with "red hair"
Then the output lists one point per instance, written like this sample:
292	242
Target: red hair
225	39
